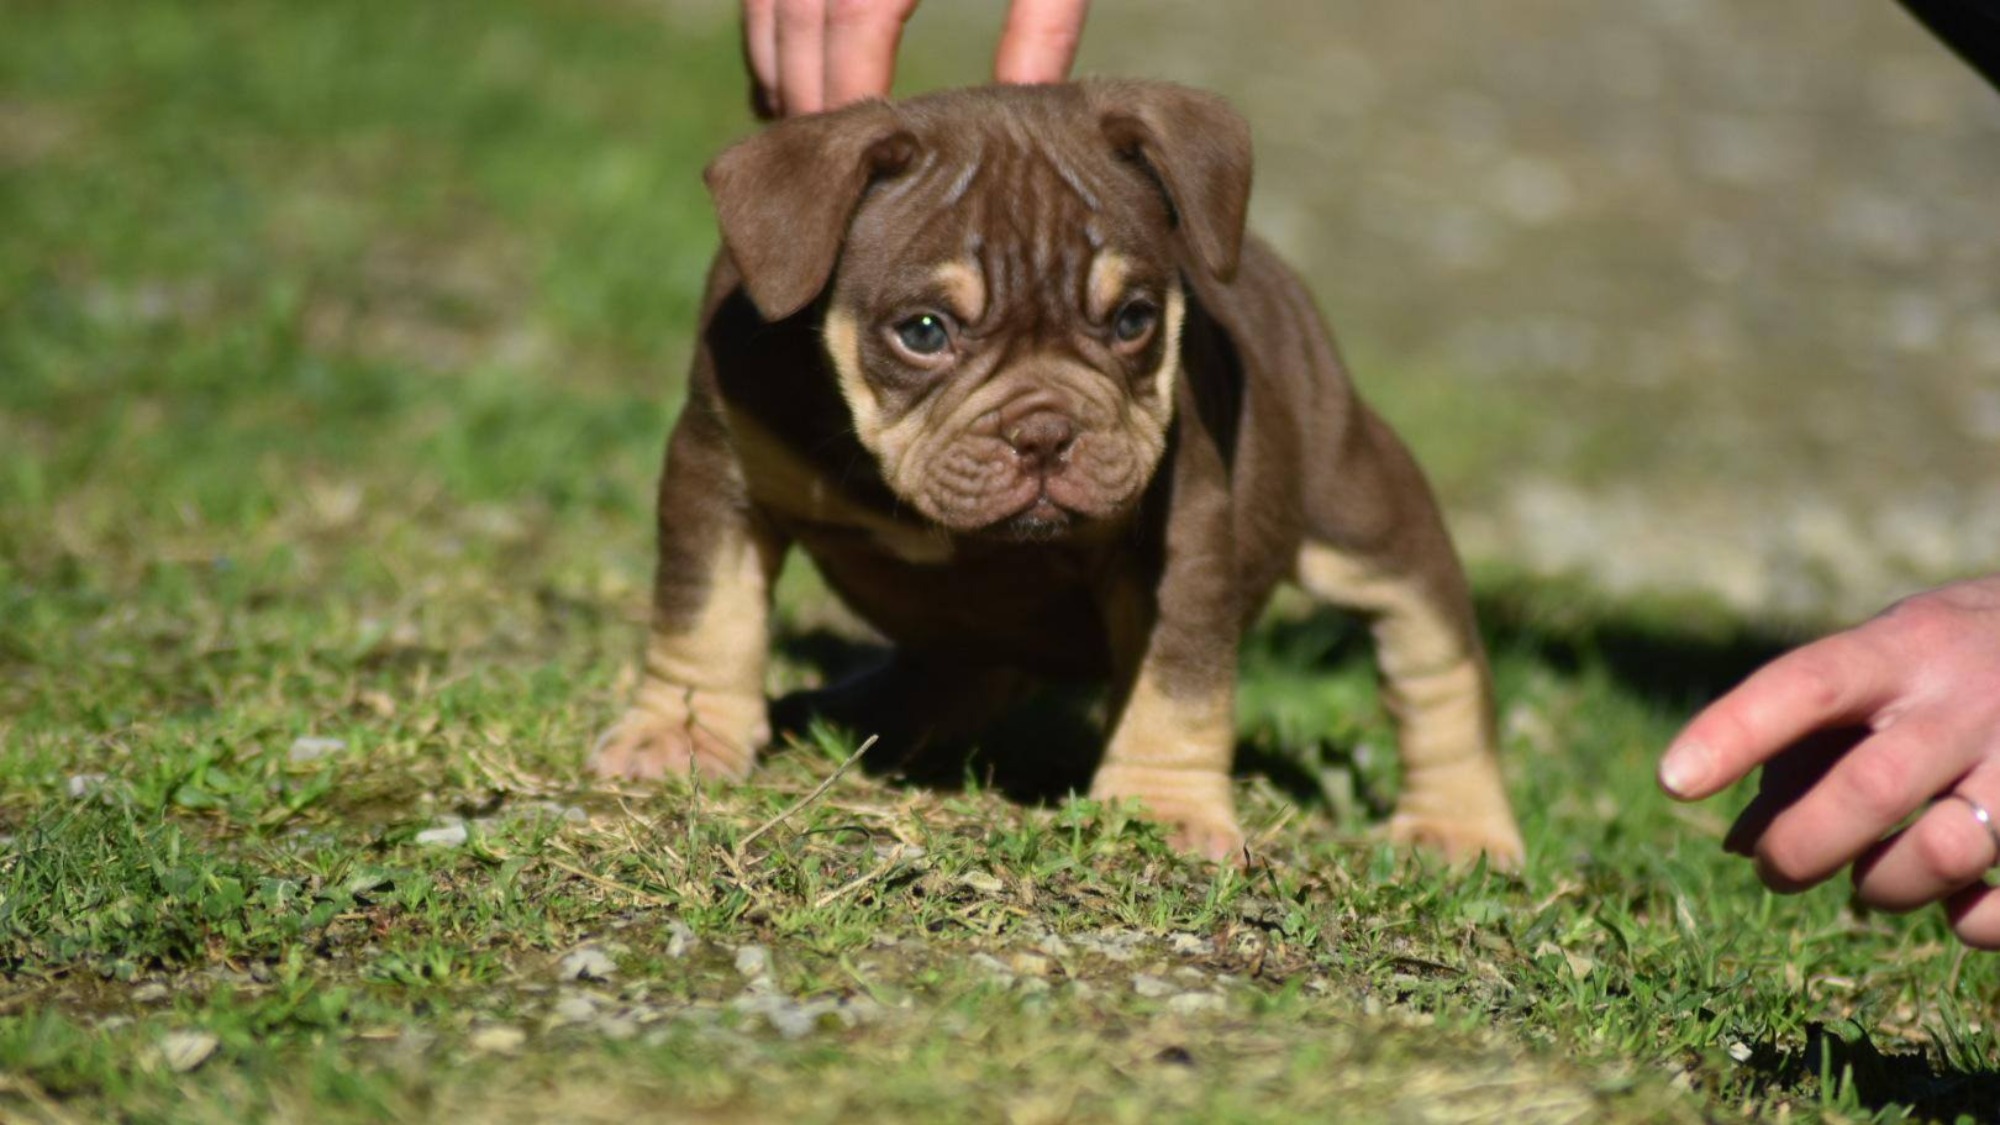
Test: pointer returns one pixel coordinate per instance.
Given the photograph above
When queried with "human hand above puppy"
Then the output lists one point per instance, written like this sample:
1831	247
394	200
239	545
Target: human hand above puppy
1856	732
811	55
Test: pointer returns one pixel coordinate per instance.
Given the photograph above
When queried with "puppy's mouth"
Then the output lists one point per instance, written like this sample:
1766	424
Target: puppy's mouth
1042	521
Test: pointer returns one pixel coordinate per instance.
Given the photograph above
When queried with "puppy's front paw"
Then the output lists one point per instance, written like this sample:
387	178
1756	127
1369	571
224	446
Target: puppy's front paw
712	739
1462	839
1196	807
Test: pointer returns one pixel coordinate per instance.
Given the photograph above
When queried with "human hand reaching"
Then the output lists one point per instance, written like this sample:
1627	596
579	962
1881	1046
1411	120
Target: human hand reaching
810	55
1857	731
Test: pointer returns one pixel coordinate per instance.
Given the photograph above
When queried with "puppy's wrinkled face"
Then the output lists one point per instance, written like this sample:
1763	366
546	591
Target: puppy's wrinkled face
1004	323
1002	274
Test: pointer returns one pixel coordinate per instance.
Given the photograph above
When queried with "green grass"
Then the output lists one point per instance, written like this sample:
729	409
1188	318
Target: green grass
337	346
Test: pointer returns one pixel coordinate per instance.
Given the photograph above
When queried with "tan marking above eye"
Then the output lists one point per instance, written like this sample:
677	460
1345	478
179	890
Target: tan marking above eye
1104	287
964	288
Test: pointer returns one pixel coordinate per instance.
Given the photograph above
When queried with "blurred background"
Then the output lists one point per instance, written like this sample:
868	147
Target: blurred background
1679	294
1675	295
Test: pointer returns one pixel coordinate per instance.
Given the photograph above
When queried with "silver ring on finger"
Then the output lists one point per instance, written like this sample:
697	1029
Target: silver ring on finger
1985	819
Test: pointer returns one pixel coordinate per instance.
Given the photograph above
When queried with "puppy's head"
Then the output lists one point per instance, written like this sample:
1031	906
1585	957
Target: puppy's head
1003	277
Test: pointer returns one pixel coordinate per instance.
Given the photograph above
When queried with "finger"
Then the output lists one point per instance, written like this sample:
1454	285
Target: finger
1975	916
1839	681
1946	850
1040	39
1786	778
861	39
1865	794
801	46
760	51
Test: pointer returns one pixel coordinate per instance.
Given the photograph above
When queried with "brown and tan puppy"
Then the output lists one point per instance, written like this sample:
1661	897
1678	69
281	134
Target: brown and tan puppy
1004	364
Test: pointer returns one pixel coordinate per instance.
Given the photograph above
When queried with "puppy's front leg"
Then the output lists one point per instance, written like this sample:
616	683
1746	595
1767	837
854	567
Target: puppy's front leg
1170	751
700	707
1174	645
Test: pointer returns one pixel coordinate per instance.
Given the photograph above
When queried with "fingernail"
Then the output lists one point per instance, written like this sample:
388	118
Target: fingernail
1684	768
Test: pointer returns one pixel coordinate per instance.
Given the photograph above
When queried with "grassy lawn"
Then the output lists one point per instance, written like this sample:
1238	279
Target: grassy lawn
338	343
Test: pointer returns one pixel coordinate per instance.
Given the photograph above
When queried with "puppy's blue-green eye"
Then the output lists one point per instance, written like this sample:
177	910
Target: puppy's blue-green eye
924	334
1134	320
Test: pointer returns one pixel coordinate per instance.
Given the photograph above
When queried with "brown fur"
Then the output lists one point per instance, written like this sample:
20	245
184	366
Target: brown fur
1049	494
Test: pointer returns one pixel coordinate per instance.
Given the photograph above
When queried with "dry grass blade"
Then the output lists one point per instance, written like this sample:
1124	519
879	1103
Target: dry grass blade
896	858
802	802
645	897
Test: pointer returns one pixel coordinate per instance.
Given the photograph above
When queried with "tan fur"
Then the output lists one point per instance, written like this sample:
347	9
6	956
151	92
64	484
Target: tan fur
700	705
783	481
1434	683
1170	364
1171	754
889	440
965	288
843	347
1105	283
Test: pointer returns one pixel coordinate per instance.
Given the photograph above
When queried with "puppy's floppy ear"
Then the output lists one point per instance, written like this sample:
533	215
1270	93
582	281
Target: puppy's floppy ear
1197	148
784	197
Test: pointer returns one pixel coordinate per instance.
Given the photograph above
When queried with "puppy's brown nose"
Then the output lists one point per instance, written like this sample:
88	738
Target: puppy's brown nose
1042	439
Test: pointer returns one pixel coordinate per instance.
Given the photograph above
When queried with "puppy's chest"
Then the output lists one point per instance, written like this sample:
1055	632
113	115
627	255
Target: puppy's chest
826	507
1035	605
1031	606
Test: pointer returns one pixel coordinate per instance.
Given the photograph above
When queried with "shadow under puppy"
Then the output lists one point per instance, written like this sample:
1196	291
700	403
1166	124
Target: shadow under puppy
1003	362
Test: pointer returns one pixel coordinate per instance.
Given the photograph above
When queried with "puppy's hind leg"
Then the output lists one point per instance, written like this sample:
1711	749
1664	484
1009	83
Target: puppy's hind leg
1377	544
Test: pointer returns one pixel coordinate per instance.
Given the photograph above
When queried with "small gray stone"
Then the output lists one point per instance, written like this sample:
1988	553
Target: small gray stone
993	966
587	964
82	785
1031	964
617	1027
1189	1003
182	1051
1187	945
680	939
983	882
549	810
753	962
414	1042
150	992
1151	987
313	749
1117	945
795	1019
575	1007
502	1039
449	835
